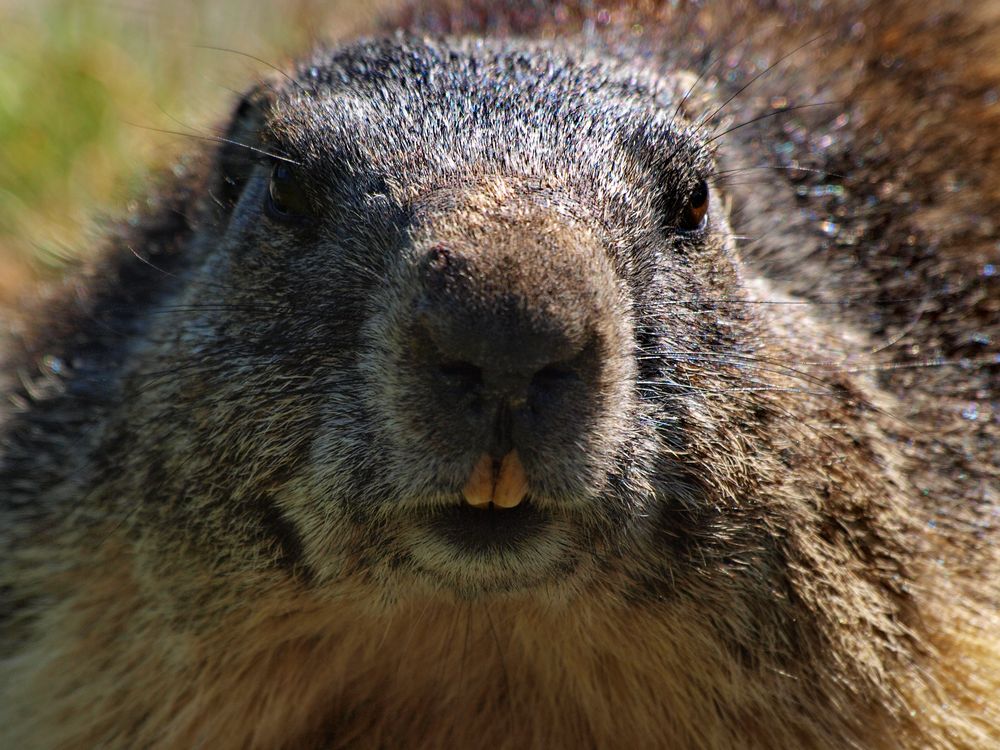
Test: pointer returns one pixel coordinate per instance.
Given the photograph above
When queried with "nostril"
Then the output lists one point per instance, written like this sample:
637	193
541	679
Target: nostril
461	373
557	371
554	375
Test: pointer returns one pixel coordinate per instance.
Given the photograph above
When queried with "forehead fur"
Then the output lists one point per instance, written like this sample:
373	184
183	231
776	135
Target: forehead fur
416	108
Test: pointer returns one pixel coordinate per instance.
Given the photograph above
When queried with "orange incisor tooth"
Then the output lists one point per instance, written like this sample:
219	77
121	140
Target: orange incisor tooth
478	491
504	486
512	484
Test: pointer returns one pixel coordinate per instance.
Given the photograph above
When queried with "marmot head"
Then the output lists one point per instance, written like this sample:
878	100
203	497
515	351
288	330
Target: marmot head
459	327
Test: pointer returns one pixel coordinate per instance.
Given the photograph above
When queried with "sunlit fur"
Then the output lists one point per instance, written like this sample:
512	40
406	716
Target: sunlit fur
769	524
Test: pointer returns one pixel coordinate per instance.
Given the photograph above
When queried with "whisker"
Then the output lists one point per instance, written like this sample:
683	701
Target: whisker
776	168
291	79
758	76
774	113
217	139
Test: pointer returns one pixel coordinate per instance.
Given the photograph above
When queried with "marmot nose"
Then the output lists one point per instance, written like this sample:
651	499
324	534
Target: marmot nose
503	357
509	350
493	335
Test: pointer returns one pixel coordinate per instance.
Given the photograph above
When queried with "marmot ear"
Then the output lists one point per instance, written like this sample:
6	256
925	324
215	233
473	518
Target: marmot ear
241	146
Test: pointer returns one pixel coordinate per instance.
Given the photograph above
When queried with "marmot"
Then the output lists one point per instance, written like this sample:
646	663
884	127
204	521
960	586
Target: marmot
535	375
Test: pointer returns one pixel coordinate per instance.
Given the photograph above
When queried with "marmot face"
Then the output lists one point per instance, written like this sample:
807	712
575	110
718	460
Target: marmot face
472	276
477	336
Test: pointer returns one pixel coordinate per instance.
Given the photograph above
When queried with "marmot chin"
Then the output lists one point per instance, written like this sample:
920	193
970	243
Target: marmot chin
534	375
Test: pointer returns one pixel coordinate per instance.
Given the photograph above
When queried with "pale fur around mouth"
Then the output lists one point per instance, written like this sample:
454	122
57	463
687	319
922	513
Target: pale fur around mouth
517	557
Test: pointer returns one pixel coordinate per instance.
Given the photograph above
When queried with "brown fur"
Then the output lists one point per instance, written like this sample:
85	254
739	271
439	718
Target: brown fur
195	563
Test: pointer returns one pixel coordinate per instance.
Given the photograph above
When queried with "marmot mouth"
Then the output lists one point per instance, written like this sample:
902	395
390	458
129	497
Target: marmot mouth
476	531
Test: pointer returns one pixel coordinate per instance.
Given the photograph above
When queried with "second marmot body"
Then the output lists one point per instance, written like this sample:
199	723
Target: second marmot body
560	378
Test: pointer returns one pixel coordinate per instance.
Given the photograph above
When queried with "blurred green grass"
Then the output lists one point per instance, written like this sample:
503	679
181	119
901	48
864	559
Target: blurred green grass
85	86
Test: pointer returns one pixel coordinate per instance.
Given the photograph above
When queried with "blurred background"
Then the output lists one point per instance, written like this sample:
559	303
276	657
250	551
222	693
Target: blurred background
87	86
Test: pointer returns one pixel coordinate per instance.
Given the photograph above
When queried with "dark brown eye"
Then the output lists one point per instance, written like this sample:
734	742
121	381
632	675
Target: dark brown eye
696	208
287	200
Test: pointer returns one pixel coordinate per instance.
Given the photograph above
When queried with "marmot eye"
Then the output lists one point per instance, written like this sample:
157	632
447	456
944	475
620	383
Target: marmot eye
696	208
287	200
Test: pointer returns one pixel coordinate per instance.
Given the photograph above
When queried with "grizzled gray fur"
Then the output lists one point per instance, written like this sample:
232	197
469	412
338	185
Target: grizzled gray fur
236	455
